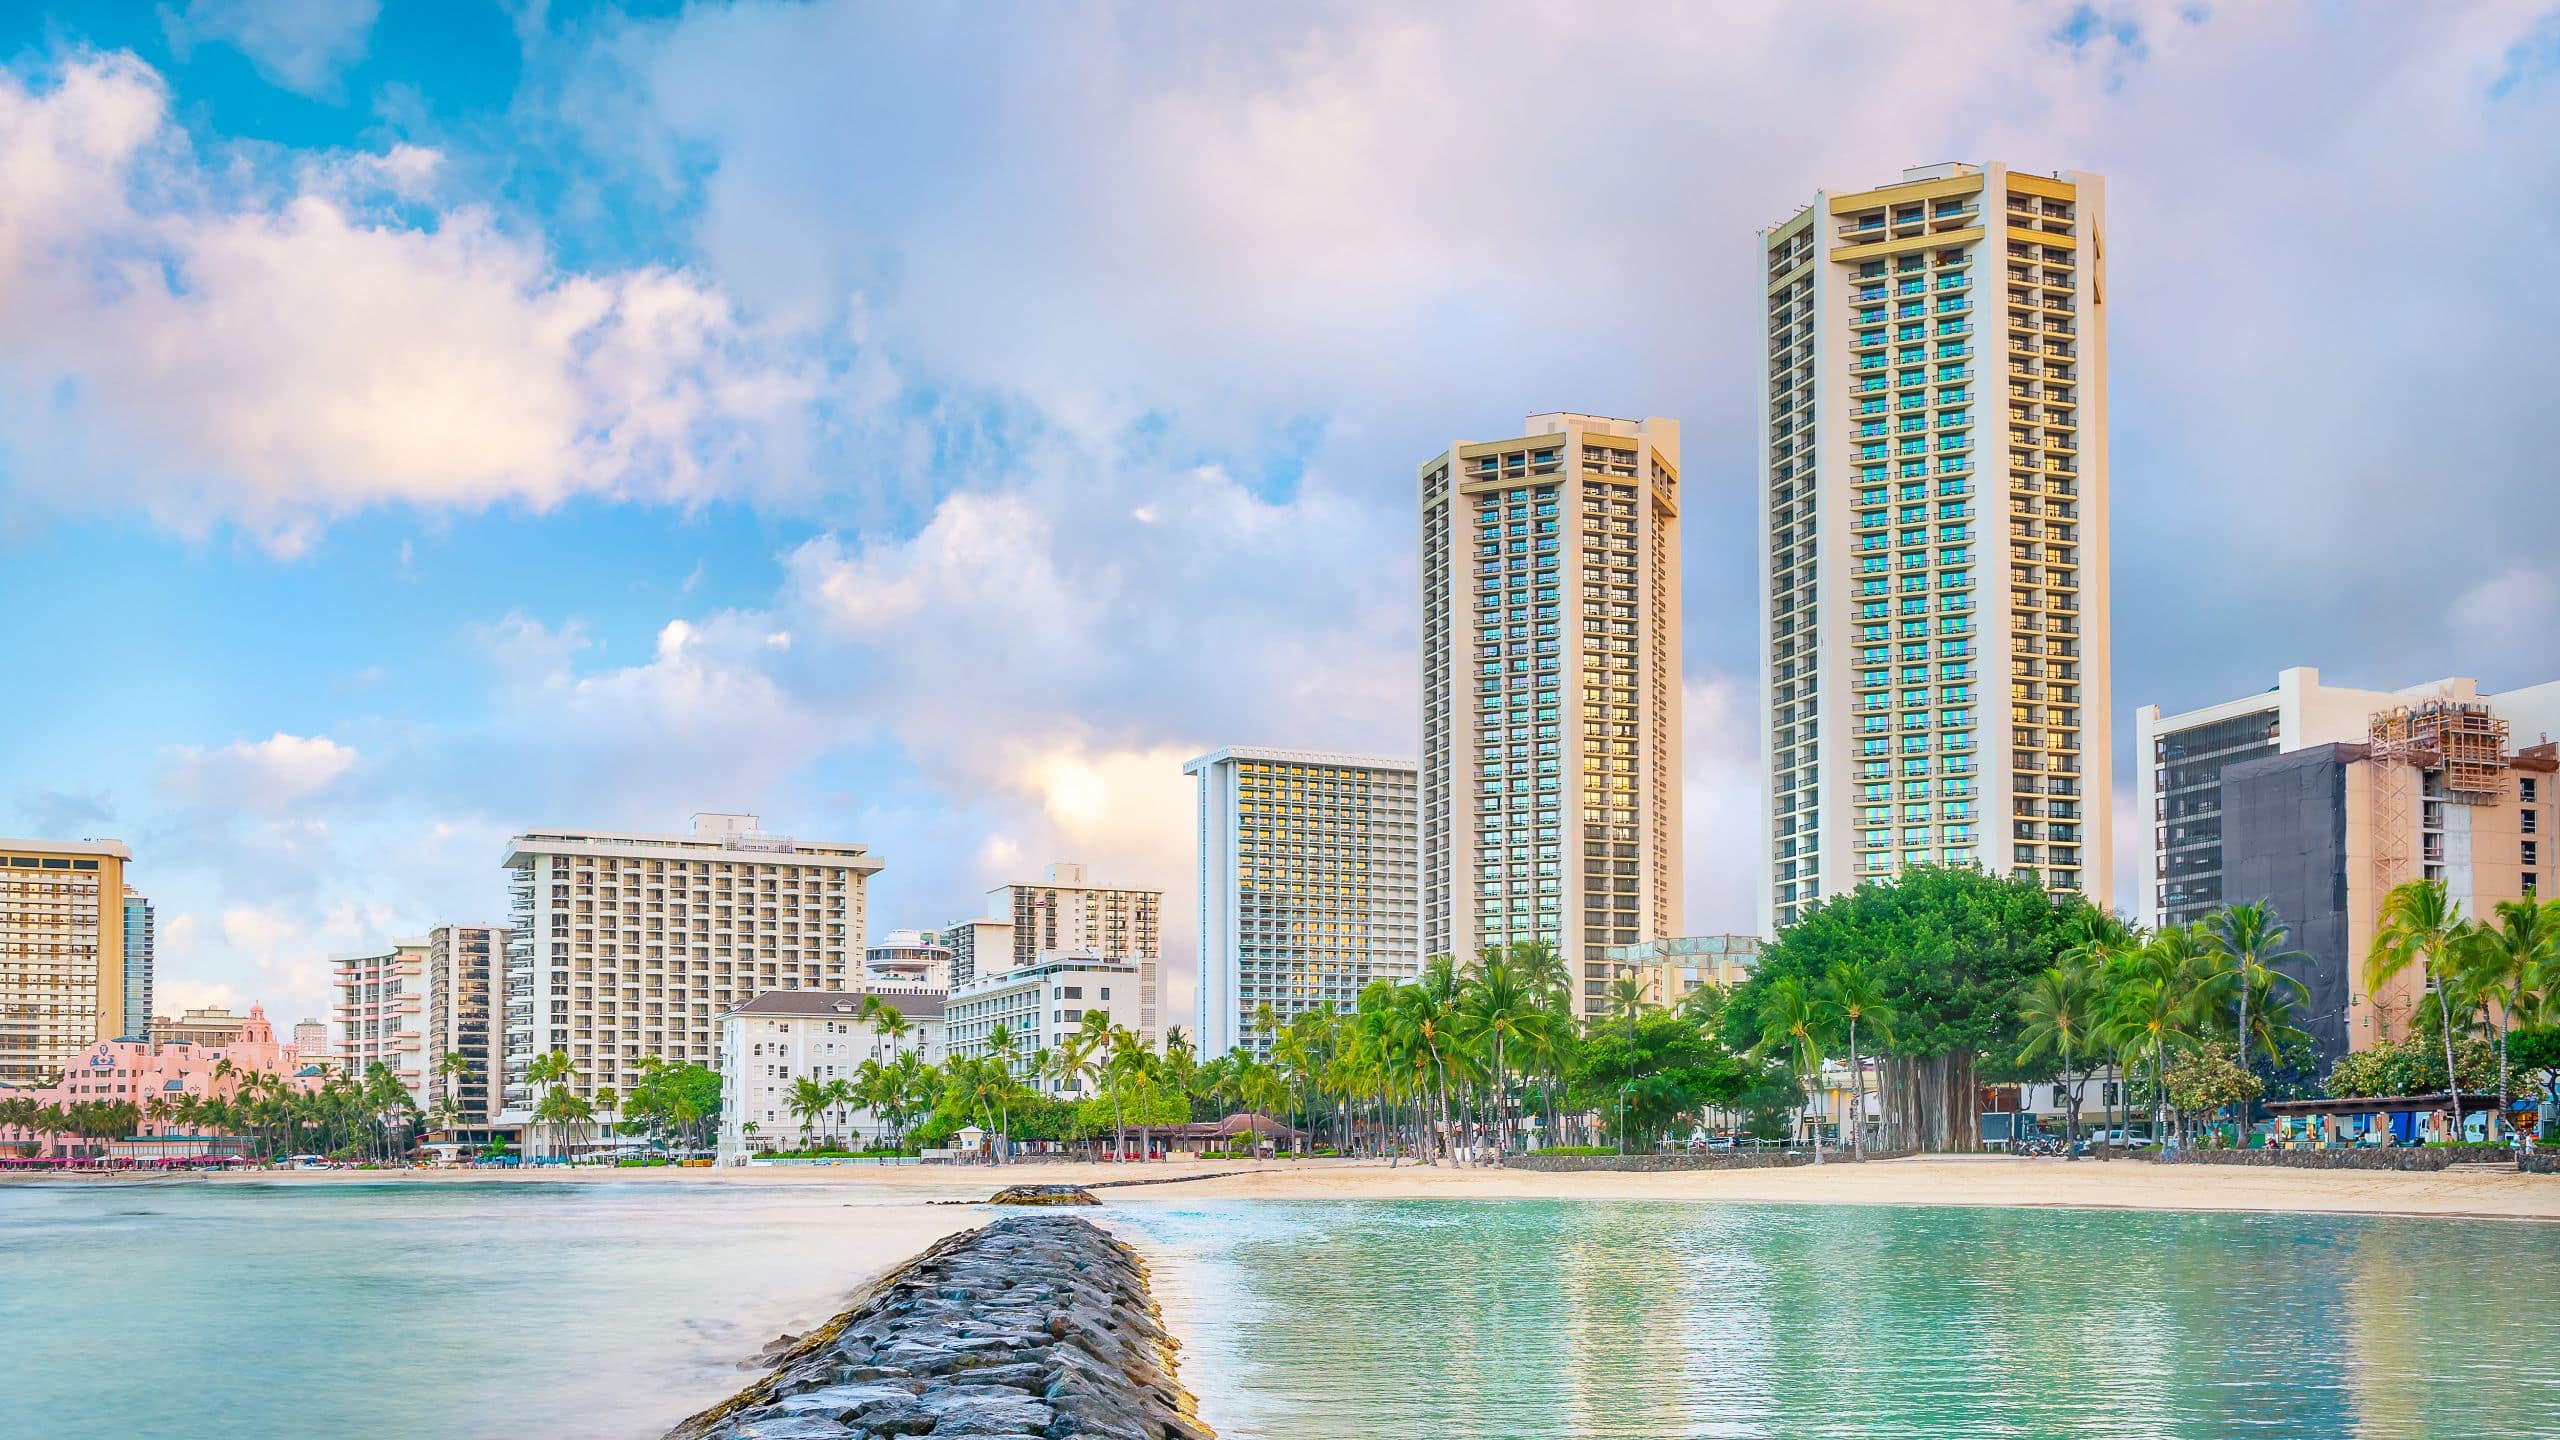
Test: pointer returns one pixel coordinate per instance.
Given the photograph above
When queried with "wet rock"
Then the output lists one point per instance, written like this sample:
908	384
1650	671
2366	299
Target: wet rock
1037	1327
1044	1195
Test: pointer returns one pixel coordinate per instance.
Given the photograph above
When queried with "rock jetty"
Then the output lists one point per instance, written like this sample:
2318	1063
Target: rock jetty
1036	1327
1044	1195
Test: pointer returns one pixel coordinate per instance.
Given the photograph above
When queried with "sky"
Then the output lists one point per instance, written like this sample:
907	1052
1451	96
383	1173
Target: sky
423	420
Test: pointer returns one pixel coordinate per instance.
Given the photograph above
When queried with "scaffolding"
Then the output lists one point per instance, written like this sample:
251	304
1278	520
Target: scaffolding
2458	739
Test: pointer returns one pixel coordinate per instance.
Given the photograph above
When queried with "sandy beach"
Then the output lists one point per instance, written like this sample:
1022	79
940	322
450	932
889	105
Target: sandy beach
1920	1180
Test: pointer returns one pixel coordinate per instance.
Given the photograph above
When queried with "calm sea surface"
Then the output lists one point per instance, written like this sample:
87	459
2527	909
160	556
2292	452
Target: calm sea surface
231	1311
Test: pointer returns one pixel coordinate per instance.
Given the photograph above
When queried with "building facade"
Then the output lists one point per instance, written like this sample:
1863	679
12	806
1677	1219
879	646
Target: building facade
785	1036
141	1072
463	963
62	969
908	960
380	1014
1042	1006
1309	876
1066	915
1550	774
979	948
1933	515
141	940
2181	759
206	1027
2323	833
311	1043
1677	966
621	946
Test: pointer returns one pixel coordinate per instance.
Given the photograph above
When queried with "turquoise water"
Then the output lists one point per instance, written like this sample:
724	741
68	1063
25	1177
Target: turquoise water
227	1311
1539	1318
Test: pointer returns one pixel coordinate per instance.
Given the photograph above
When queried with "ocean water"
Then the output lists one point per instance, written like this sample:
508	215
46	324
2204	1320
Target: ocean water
1431	1321
400	1311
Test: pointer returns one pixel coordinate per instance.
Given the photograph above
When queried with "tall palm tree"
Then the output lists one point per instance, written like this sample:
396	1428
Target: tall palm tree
2249	939
2060	1009
1853	999
2508	962
1496	1007
1791	1025
2152	1020
807	1100
2420	924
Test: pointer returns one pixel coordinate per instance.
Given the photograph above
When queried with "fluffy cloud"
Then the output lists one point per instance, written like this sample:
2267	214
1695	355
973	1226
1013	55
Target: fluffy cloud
275	356
299	44
273	774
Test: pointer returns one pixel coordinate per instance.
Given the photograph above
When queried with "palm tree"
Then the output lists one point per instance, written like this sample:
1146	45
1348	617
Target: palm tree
1260	1090
1791	1025
1496	1007
452	1066
2420	924
2508	962
1853	998
550	1071
2060	1011
2251	940
2152	1014
807	1099
1005	1050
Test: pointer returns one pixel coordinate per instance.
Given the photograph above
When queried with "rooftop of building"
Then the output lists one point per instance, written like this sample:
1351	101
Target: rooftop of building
1279	756
713	835
916	1005
112	848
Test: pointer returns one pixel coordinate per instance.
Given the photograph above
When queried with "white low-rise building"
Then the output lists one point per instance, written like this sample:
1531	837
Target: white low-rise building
785	1036
1043	1006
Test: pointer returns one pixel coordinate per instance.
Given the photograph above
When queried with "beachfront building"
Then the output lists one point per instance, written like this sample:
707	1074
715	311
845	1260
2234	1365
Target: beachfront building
910	960
785	1036
1064	914
622	946
1674	967
1309	886
461	1056
2182	757
380	1013
1933	517
62	966
1550	776
2323	833
1043	1006
978	948
207	1027
154	1077
141	941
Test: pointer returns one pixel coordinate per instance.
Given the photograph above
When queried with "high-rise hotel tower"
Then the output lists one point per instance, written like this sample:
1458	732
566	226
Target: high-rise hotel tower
1933	503
1551	692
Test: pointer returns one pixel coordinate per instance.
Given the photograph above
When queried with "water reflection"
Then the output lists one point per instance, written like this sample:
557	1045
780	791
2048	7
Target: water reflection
1436	1319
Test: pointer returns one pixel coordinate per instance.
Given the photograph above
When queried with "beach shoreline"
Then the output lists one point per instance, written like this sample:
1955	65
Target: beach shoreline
1959	1180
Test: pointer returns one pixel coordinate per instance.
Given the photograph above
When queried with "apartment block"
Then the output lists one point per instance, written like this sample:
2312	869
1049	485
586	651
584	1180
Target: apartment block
380	1015
1309	883
785	1036
62	962
2183	757
1933	507
621	946
1067	916
141	941
979	948
463	964
1550	773
2322	834
1042	1006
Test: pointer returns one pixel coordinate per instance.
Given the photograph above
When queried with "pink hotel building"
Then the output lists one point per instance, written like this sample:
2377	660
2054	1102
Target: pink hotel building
139	1072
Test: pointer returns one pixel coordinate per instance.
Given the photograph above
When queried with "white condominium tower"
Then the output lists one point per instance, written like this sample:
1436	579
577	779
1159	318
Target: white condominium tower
623	946
1065	917
1551	692
1308	867
1933	505
381	1013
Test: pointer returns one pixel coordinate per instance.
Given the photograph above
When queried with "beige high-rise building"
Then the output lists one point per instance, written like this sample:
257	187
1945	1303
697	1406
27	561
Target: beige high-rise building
622	946
1551	692
463	966
1307	873
1067	917
380	1014
62	966
1933	505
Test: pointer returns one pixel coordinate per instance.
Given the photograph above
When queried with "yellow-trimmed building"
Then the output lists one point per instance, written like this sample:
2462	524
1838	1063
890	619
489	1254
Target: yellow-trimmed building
62	971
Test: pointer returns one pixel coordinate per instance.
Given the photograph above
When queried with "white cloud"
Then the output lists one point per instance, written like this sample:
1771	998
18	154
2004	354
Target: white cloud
263	775
301	45
215	353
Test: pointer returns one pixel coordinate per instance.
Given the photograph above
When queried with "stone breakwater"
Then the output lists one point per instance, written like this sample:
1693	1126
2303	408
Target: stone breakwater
1037	1325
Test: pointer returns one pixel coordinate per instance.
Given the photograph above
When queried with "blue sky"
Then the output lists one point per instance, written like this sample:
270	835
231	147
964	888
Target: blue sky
929	425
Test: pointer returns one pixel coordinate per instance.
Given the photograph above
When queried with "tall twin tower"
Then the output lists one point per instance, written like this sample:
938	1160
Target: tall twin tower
1933	591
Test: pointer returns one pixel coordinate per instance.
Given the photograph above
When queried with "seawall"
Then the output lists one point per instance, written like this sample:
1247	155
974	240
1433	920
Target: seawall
1037	1325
